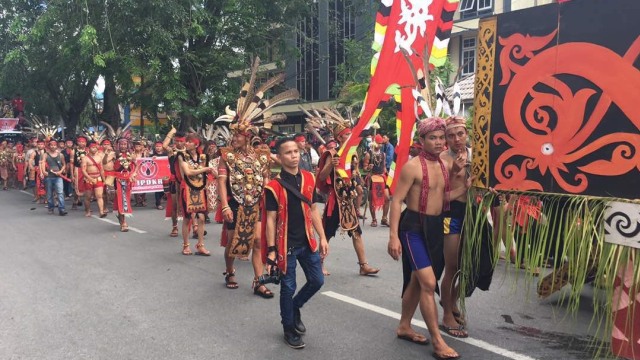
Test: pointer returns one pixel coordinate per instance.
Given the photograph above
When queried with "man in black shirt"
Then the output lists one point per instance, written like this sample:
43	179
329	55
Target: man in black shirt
288	204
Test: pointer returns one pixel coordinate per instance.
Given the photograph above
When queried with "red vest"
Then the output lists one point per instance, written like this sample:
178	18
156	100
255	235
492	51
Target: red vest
280	194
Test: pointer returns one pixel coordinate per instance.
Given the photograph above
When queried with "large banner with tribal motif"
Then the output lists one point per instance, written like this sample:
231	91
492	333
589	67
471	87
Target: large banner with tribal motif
420	28
557	96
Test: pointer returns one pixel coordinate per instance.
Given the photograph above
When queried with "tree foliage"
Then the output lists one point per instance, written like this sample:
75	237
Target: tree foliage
54	51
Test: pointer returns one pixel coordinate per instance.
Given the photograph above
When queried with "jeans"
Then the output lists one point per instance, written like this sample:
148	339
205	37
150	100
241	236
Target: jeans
54	184
312	267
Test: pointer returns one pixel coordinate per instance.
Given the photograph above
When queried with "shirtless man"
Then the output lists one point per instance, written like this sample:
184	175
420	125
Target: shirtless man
424	185
139	151
456	133
93	179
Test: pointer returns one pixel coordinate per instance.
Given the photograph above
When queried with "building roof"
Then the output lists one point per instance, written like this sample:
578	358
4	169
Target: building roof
467	84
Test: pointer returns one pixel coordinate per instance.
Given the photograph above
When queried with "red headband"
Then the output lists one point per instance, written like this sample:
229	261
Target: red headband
179	138
300	138
343	131
93	145
105	142
195	141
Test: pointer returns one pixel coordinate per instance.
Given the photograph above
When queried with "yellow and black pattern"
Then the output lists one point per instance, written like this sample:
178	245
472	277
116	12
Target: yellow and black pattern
483	101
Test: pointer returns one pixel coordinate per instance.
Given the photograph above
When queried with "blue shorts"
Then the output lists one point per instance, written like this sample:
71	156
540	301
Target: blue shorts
454	218
414	246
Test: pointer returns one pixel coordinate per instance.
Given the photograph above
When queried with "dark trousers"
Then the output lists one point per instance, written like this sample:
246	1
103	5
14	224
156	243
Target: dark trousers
312	267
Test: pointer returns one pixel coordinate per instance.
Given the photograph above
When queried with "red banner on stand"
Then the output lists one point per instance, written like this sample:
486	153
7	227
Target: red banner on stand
8	124
149	174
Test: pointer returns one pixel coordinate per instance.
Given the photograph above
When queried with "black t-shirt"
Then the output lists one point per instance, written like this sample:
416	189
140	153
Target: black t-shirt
297	236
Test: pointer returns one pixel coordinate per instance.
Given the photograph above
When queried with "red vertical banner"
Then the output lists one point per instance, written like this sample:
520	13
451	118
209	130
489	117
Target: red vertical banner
149	174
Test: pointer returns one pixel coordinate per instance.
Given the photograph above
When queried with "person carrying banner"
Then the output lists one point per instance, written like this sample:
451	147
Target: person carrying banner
340	211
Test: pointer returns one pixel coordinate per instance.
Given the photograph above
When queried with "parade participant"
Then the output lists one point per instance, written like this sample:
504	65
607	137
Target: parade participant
213	161
52	167
243	172
39	190
388	151
305	155
375	164
158	150
287	206
174	182
424	186
139	151
193	199
339	212
456	136
68	157
29	168
18	106
78	179
18	161
121	161
93	175
5	161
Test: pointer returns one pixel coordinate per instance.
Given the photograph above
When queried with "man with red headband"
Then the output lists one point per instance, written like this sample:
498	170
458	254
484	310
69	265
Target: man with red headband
425	188
456	133
192	169
18	161
52	167
93	175
375	162
123	173
340	206
77	176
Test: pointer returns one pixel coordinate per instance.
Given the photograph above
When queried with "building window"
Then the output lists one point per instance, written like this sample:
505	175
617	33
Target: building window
287	129
468	54
475	8
342	26
308	65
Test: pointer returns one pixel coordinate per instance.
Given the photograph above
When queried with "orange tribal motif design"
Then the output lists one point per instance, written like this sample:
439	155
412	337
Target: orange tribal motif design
555	124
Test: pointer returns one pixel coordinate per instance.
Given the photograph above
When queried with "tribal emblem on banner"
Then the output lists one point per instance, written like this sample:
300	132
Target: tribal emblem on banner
418	30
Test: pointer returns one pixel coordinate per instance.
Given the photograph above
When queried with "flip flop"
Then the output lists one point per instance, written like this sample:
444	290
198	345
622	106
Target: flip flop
449	330
442	357
413	339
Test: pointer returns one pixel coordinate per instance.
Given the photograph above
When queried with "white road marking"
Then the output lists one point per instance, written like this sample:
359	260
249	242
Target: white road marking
117	223
26	192
471	341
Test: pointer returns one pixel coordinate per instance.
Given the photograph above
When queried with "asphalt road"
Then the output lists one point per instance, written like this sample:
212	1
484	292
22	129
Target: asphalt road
76	288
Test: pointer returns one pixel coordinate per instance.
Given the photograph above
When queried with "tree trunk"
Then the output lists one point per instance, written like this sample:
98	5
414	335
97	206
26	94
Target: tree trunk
111	111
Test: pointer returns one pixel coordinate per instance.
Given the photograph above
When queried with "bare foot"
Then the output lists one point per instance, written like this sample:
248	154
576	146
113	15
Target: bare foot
87	213
325	272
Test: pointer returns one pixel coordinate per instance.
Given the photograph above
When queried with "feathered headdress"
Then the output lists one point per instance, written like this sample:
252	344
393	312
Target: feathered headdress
120	133
218	134
330	119
252	110
96	136
42	127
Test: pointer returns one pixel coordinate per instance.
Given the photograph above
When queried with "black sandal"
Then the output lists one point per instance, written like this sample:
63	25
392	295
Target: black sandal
266	294
230	284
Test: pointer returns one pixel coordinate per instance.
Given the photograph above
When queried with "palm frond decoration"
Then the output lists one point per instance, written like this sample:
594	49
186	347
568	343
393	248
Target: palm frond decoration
569	232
